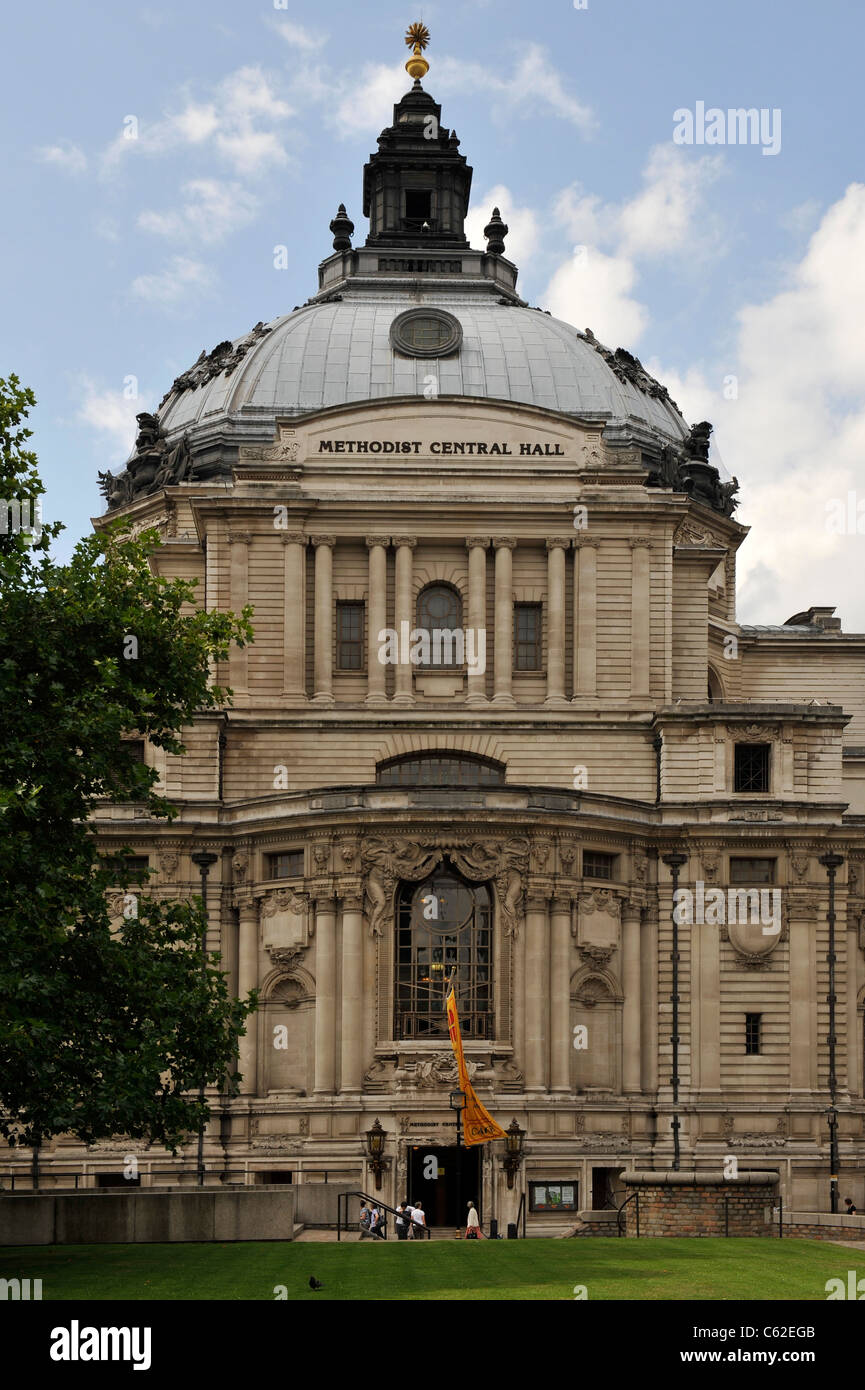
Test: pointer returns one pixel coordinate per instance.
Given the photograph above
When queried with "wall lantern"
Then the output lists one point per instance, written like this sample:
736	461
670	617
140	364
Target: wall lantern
514	1137
375	1138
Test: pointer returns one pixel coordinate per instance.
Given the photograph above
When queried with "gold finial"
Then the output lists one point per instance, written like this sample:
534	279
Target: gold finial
417	38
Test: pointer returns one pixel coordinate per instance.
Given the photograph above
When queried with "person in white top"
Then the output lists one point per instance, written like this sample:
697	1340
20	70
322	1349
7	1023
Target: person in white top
418	1221
473	1225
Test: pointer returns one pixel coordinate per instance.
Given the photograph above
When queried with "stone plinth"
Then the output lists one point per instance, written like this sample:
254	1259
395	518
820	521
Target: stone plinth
701	1204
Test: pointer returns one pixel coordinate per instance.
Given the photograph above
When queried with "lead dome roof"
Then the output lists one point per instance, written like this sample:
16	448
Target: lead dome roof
334	353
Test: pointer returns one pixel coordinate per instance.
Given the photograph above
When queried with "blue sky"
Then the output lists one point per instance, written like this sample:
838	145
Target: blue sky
737	276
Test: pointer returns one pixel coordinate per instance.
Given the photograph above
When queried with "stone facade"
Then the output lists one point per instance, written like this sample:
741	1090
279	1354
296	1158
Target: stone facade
532	468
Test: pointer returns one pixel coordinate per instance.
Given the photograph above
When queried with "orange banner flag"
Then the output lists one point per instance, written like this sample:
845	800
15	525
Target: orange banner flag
478	1124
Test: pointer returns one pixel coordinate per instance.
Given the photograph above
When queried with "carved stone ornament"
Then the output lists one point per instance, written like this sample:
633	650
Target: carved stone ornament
567	856
595	955
284	450
597	921
435	1072
225	357
690	533
753	950
277	1143
801	864
641	864
711	862
286	921
240	864
168	861
753	733
285	956
321	857
155	464
386	861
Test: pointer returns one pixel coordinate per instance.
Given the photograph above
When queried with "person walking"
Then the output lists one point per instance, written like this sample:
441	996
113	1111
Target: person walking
401	1223
851	1210
364	1220
418	1223
473	1225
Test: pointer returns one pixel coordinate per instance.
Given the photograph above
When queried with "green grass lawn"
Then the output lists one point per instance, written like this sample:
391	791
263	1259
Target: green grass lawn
526	1269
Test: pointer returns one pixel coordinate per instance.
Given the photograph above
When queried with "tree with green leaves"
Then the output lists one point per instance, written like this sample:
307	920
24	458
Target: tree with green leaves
105	1027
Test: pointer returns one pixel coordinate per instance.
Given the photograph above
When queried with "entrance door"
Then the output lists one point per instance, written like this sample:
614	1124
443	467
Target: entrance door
444	1181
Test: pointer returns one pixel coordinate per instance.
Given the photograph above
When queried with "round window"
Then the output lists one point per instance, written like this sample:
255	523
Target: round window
426	333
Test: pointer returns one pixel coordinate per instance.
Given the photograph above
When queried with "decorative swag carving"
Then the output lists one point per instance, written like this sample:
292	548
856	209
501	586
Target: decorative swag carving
387	861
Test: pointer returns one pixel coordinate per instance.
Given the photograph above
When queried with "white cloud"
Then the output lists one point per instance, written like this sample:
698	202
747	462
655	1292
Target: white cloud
111	413
65	155
595	286
211	211
593	290
242	120
297	36
795	435
666	217
365	104
523	224
533	87
181	279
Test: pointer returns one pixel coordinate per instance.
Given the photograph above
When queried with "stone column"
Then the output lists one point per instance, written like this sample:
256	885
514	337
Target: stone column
294	617
561	1038
247	979
504	656
585	616
404	617
351	1073
640	616
803	914
536	984
477	548
854	1032
708	1000
556	548
325	995
376	619
238	660
649	999
631	1017
323	692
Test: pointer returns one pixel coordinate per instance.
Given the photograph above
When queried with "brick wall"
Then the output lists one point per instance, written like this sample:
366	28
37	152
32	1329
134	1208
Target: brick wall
680	1205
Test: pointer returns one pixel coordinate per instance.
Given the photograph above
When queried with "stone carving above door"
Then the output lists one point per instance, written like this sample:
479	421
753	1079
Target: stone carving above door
389	860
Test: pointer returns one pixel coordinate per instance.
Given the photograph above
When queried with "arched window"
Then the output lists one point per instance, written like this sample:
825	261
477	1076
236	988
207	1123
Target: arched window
443	923
716	690
440	611
440	770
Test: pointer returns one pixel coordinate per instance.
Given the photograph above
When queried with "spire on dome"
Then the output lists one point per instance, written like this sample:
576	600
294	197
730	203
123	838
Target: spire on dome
416	186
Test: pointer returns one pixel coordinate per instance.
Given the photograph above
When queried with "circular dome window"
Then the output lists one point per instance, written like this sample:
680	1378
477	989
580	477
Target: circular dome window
426	333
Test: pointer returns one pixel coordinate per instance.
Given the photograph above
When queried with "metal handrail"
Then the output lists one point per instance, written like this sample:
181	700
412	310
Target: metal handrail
365	1197
621	1225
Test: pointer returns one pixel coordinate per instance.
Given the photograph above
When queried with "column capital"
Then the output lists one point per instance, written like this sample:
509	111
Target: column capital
477	542
239	538
352	900
293	538
590	541
405	542
324	896
560	901
558	543
505	542
632	909
323	540
635	541
373	541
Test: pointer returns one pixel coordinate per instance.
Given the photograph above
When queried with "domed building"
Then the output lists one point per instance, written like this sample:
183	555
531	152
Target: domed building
498	697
